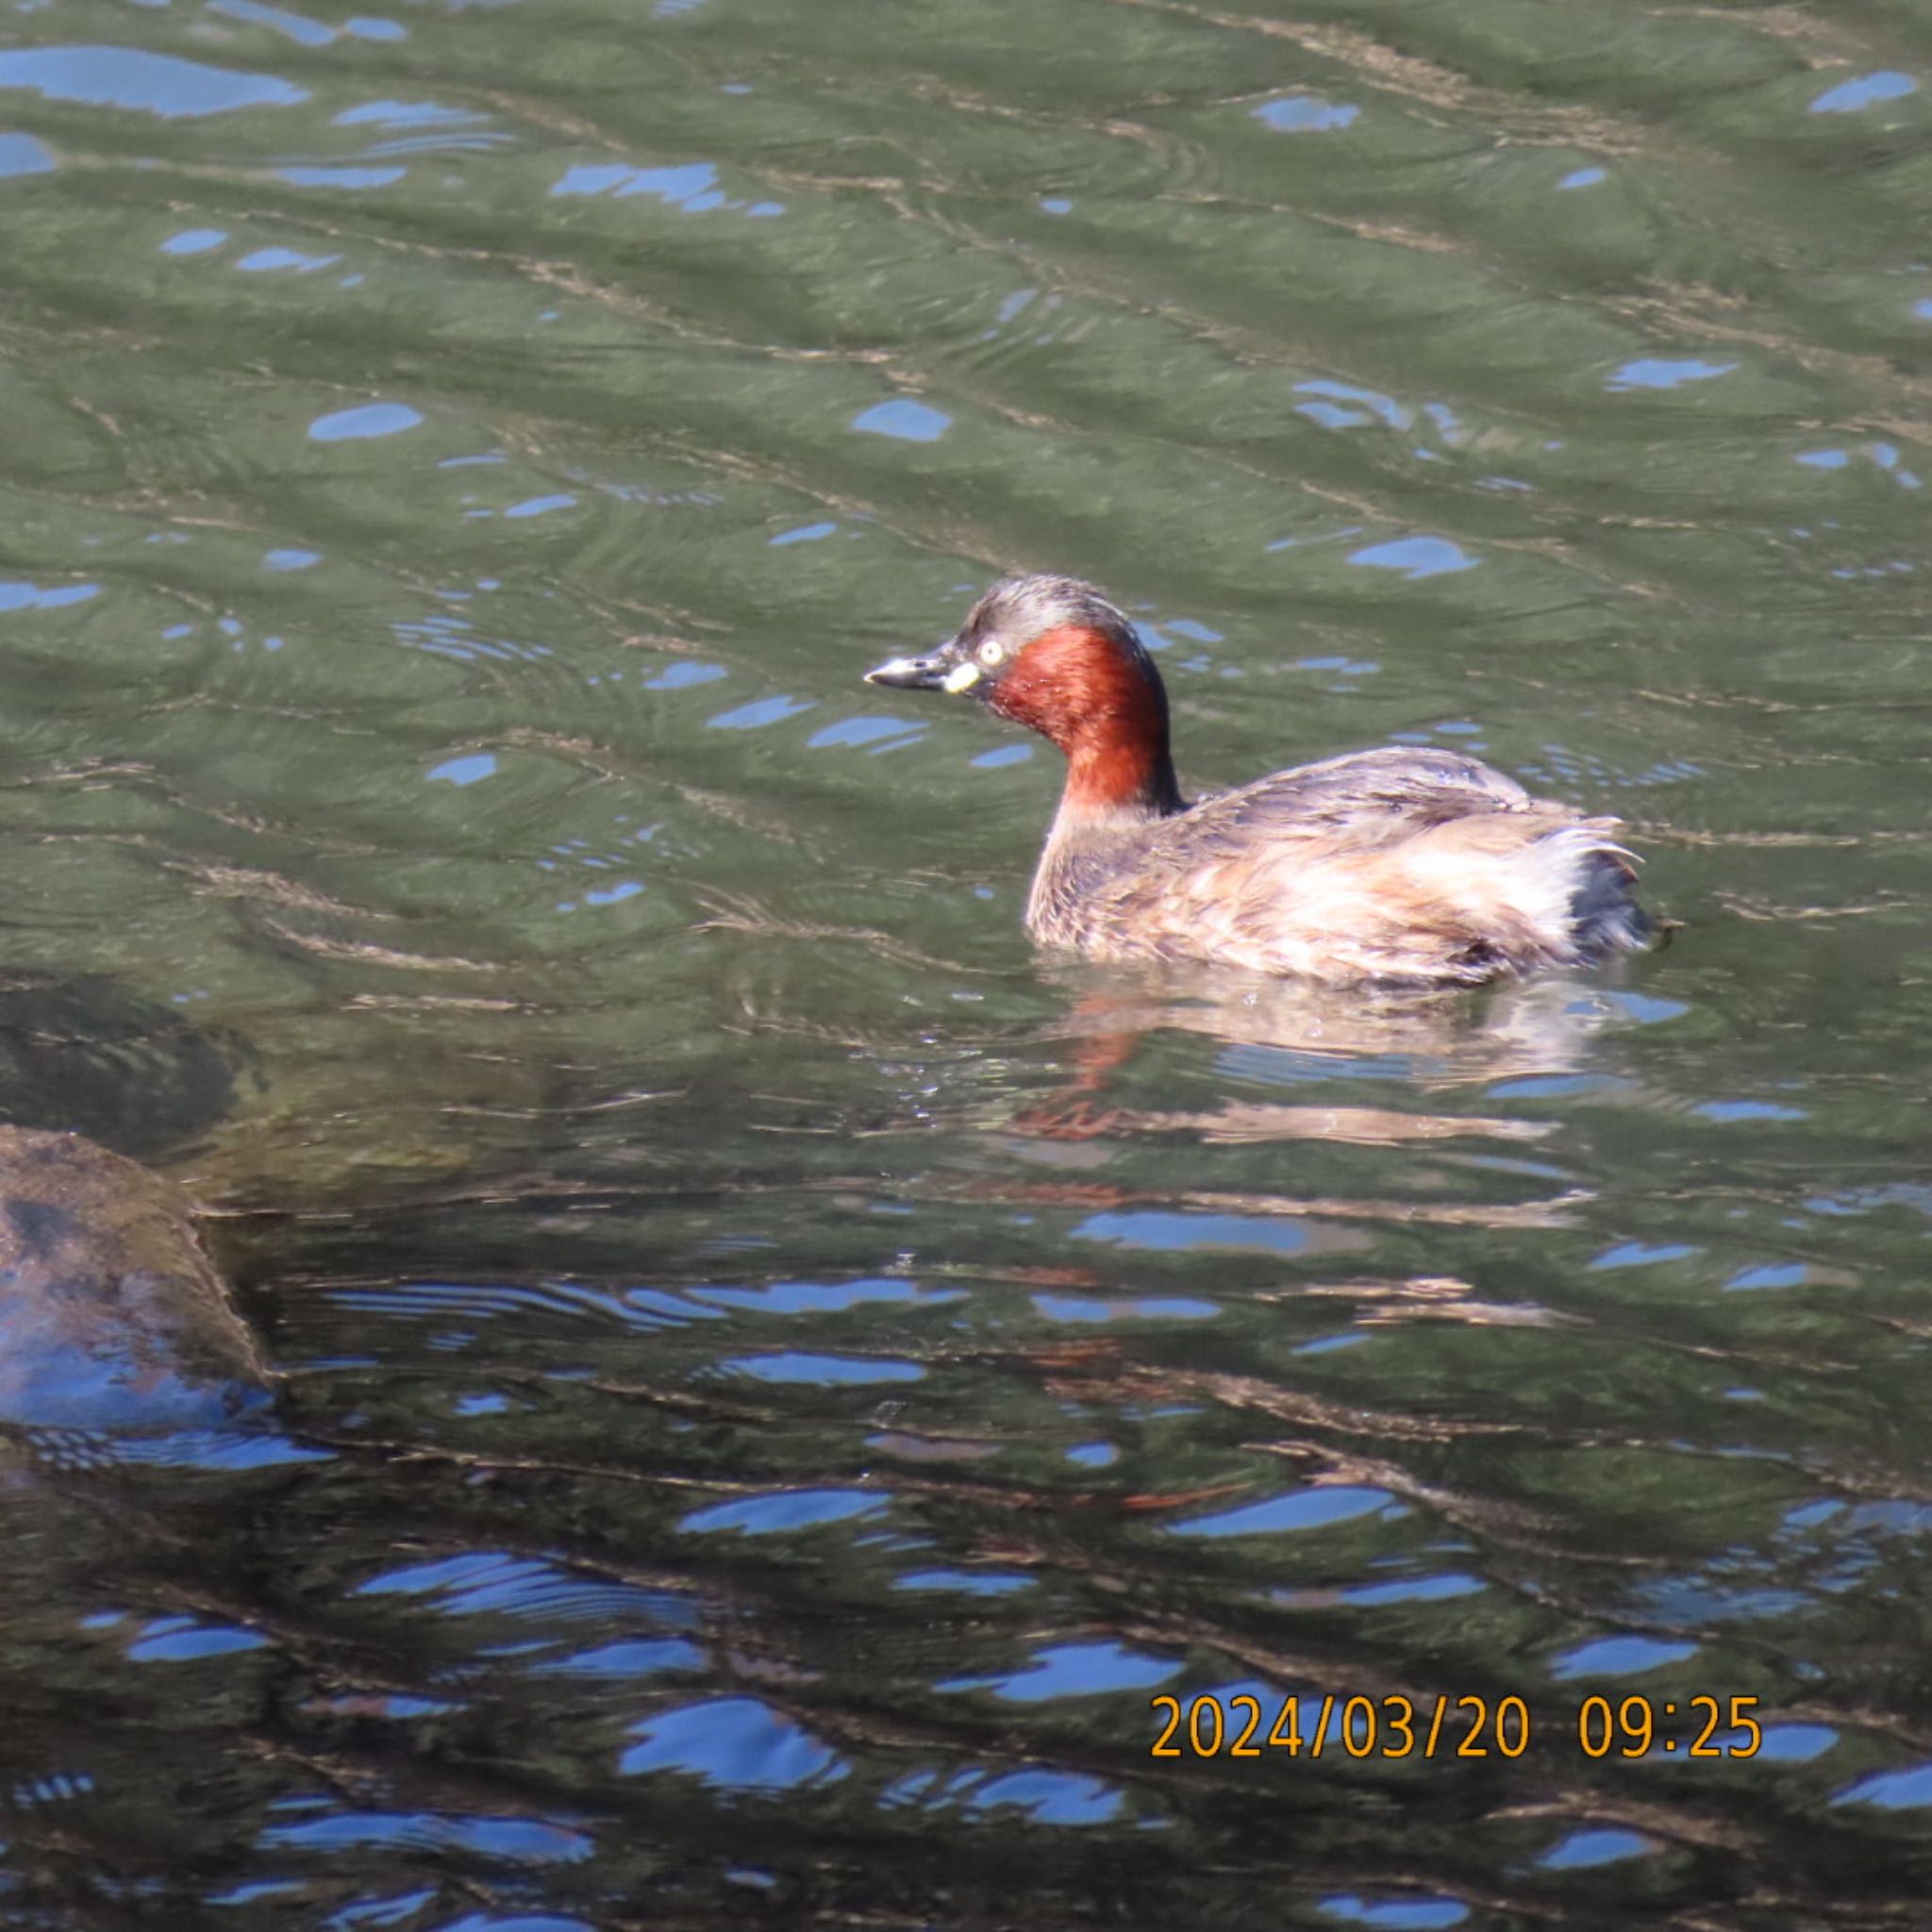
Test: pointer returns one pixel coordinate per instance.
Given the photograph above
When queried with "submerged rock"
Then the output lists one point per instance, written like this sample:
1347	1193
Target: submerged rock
111	1316
84	1054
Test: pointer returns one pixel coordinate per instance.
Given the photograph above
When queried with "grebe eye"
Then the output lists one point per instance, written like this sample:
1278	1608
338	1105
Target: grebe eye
993	652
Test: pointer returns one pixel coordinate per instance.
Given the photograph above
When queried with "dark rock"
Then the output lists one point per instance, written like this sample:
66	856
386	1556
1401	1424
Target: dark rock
111	1316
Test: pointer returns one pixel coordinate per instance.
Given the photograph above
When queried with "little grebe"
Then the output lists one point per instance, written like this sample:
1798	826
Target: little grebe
1409	864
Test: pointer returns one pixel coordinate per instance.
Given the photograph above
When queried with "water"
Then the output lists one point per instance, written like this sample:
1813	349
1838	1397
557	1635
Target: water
781	1379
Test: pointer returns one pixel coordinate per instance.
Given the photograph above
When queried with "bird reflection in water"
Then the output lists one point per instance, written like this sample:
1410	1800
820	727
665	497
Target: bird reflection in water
1429	1039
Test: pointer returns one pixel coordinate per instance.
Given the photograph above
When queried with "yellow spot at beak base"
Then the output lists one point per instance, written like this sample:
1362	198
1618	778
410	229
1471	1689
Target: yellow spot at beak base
962	677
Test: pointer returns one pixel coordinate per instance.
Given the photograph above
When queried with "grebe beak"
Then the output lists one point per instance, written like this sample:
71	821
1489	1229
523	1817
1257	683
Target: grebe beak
928	672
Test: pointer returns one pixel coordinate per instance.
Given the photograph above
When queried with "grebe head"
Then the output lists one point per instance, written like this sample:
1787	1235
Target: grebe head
1051	653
